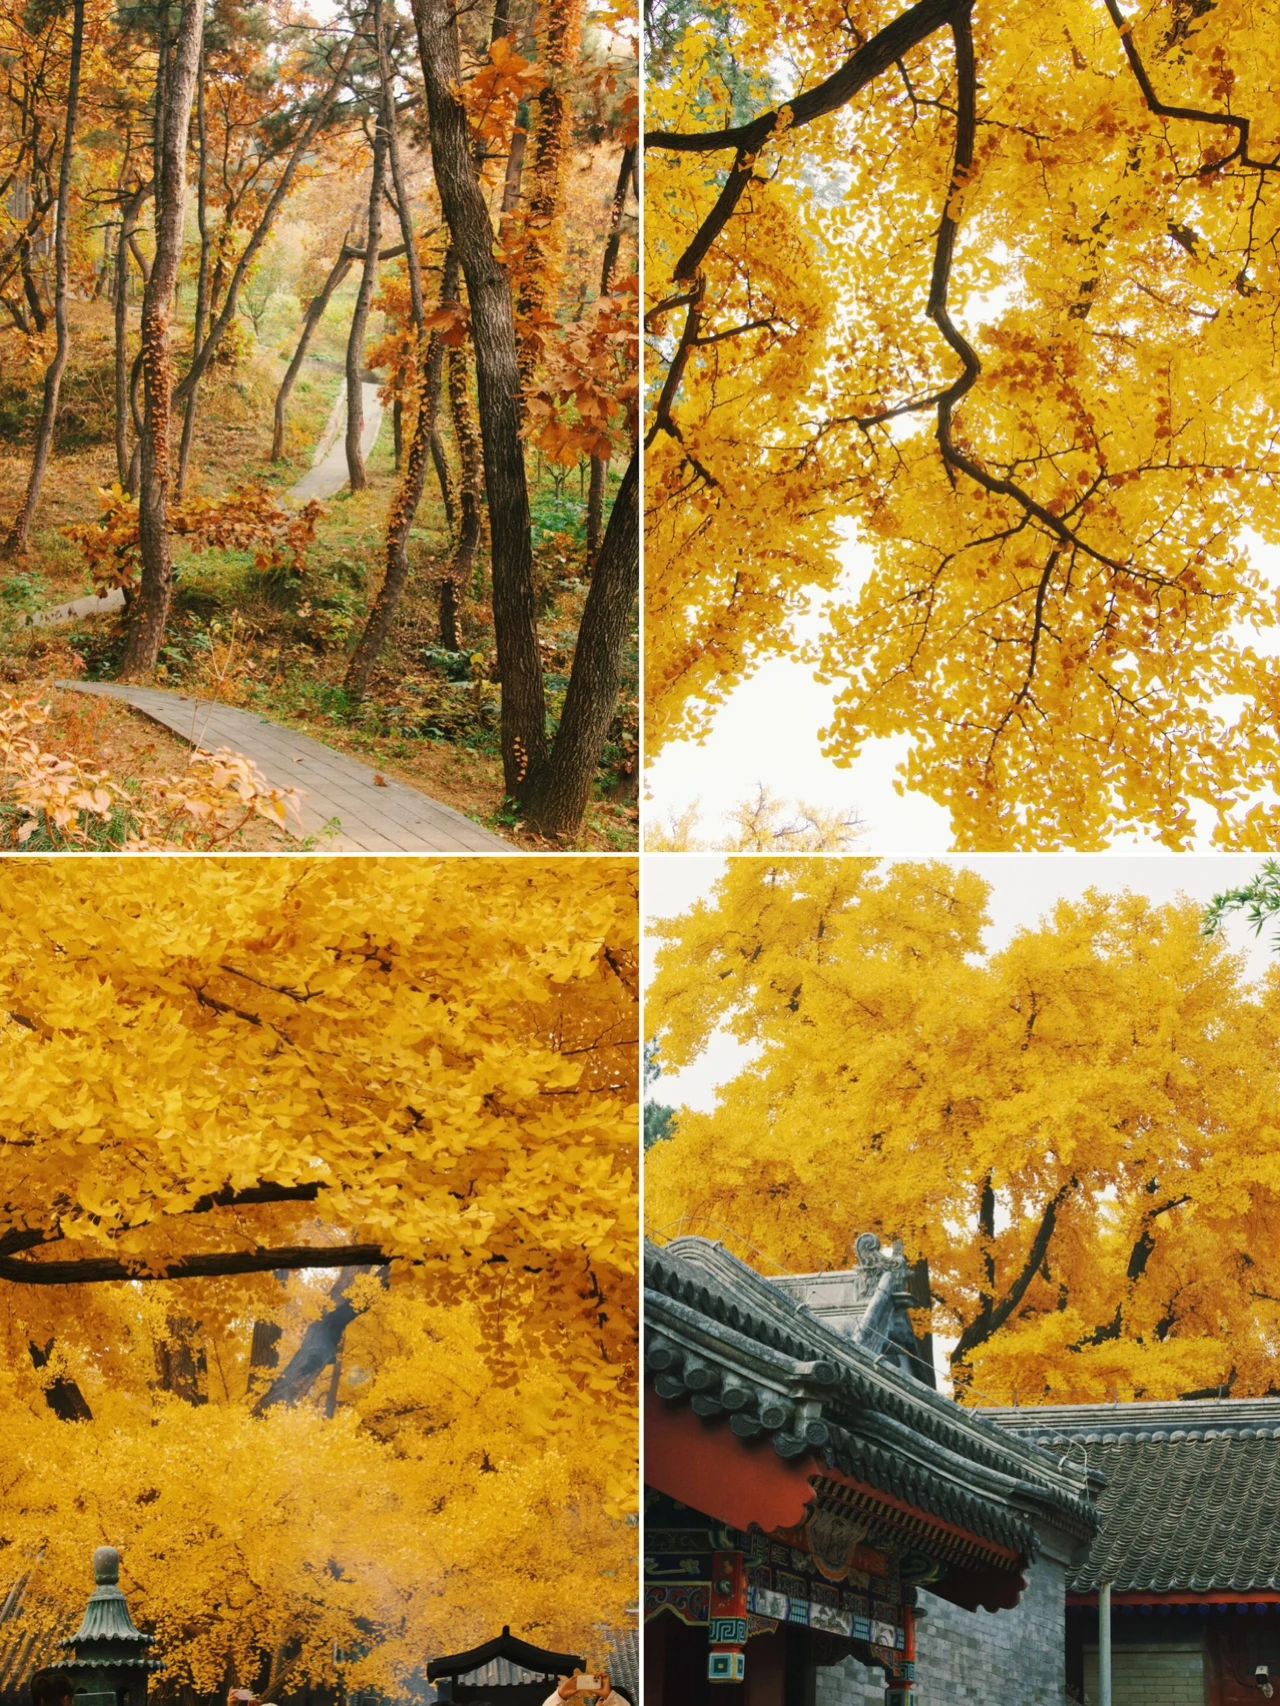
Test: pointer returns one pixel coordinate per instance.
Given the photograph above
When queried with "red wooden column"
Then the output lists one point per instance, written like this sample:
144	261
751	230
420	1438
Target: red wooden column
727	1624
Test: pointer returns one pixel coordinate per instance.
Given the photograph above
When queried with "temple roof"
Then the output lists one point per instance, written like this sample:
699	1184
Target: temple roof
623	1658
505	1660
732	1344
871	1303
1192	1500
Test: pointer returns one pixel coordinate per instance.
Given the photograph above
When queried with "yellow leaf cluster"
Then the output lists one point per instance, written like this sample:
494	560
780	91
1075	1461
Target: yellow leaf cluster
251	519
431	1508
442	1055
423	1069
1080	1132
1055	589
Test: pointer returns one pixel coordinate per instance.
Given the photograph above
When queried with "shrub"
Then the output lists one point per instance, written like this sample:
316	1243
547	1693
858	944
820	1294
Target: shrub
50	803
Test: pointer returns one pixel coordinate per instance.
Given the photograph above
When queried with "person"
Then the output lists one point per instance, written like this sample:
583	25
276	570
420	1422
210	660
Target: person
567	1691
51	1687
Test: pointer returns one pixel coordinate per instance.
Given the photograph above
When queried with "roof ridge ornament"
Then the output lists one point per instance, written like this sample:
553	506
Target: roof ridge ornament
872	1255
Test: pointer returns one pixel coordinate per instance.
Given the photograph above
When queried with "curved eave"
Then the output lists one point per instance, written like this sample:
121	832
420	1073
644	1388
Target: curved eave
538	1660
734	1317
705	1467
860	1419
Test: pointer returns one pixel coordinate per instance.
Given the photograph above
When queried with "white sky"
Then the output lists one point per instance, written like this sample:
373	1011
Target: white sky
767	732
1023	888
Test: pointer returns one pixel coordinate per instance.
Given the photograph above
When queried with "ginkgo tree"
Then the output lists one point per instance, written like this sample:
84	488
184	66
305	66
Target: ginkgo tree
994	285
403	1507
1079	1131
318	1253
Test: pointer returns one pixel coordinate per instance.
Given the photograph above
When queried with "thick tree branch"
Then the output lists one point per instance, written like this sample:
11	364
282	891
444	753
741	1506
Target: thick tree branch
318	1349
62	1395
878	55
1194	115
98	1270
991	1319
1139	1255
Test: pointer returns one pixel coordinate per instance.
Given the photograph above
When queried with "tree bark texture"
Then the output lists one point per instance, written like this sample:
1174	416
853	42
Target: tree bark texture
16	543
556	793
541	240
523	724
149	611
202	284
469	496
128	220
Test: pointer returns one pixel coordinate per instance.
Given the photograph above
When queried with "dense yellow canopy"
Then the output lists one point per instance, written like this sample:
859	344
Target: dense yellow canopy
1080	1131
396	1096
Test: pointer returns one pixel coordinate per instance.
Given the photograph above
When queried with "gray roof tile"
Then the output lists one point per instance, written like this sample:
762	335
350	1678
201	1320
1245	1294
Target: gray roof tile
1192	1496
733	1344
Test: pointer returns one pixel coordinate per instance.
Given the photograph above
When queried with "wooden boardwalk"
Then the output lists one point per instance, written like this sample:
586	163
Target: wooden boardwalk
370	816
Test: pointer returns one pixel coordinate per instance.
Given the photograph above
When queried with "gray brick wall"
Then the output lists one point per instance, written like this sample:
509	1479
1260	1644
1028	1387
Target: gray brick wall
1164	1675
978	1658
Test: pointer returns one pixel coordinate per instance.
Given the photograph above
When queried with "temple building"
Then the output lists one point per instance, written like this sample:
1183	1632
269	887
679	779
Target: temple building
505	1671
822	1527
1188	1555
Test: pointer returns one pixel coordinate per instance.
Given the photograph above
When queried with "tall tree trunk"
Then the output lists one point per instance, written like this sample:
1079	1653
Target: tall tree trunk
318	1348
182	1362
555	796
444	477
225	313
500	26
515	167
135	249
16	543
403	510
600	464
149	611
464	554
315	313
37	205
264	1345
63	1395
524	711
541	241
128	219
428	364
356	476
202	286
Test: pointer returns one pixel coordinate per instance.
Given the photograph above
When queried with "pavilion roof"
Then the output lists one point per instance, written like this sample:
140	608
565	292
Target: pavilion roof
505	1660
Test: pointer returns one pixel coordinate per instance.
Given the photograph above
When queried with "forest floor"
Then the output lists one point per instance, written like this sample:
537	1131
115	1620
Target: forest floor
278	643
